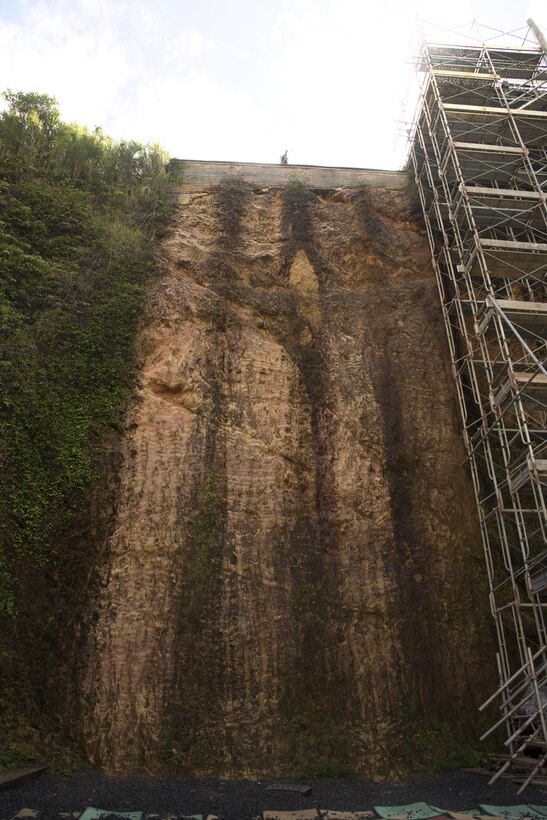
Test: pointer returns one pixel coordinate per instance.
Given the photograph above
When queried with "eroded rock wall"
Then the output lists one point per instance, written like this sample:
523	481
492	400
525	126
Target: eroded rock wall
294	578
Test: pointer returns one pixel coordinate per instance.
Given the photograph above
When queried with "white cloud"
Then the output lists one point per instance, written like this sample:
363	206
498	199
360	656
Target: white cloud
53	51
97	58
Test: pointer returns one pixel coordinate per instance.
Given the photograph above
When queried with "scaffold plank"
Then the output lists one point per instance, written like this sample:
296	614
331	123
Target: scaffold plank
468	75
484	147
528	316
538	582
507	193
509	259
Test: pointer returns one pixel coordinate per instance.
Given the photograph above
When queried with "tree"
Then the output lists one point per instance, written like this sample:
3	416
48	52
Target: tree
27	128
32	107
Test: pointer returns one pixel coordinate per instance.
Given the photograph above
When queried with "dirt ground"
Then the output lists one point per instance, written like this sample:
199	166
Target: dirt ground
53	795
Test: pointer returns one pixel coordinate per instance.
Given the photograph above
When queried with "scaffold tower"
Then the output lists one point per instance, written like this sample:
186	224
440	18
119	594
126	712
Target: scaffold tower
478	149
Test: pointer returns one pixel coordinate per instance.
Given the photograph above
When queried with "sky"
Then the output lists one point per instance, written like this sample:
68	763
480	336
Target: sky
238	80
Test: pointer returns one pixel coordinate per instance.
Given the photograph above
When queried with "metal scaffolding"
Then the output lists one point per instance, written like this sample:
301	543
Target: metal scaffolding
478	149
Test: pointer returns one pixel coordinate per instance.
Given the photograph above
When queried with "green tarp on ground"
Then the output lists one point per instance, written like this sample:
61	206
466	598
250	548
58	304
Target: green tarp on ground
515	812
540	809
412	811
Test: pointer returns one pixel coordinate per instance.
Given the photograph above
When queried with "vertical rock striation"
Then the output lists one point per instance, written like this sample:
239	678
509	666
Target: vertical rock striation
294	575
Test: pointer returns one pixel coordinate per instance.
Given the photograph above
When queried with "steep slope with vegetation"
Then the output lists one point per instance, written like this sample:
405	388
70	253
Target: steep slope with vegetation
79	219
236	534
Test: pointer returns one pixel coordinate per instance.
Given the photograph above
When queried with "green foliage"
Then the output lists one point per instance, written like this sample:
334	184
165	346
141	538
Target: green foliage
15	754
203	538
297	181
411	188
436	750
79	214
410	184
21	741
327	769
232	198
319	746
184	750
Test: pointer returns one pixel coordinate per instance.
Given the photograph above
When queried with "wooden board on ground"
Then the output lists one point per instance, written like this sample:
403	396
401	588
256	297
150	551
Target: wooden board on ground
9	780
26	814
297	788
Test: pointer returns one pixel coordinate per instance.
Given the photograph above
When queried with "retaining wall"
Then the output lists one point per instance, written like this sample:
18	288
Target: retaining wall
199	174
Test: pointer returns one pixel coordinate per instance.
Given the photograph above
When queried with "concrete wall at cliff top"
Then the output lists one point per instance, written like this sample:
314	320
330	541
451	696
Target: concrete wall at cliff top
198	175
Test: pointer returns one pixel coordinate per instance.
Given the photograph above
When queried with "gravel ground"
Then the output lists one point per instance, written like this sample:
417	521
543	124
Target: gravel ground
245	799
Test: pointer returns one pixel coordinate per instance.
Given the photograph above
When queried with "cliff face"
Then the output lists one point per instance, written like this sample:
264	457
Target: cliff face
293	577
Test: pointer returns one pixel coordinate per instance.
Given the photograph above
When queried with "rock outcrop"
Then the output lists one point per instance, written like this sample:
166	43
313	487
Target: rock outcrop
294	575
